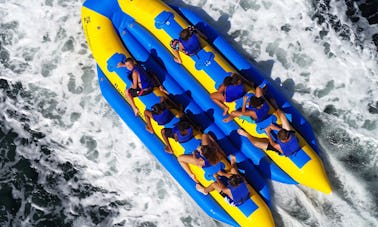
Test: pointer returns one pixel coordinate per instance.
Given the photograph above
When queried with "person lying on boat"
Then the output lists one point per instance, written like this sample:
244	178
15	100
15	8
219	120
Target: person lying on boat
188	43
162	112
233	87
182	132
142	82
230	185
207	156
257	109
286	143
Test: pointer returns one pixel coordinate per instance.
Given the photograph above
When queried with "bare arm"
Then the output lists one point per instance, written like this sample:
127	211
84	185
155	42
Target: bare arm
244	103
135	77
271	141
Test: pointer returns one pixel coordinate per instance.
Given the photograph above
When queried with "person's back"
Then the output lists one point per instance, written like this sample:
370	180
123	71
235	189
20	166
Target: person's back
237	191
288	142
190	41
234	89
260	107
161	114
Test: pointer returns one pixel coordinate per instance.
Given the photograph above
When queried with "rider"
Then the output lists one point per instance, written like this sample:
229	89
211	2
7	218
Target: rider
207	155
286	143
231	185
258	108
188	43
232	88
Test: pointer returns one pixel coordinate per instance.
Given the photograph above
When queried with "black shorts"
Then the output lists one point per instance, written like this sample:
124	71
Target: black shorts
270	147
138	92
169	132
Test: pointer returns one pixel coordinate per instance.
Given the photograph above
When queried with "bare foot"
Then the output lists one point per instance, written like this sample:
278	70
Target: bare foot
201	189
177	60
136	111
227	119
225	111
193	177
149	129
242	132
168	150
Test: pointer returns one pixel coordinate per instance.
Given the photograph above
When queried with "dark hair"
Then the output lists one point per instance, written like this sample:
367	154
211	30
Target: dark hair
236	79
283	134
158	108
183	125
185	34
227	80
130	60
209	153
235	180
256	101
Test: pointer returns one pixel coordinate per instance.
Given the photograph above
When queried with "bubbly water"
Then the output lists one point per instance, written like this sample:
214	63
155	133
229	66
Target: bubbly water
68	160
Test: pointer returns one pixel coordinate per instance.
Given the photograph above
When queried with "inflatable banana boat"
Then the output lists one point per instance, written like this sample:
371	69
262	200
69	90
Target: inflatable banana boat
110	46
116	30
156	24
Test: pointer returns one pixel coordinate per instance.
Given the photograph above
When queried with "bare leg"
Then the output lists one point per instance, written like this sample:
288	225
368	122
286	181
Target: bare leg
148	116
233	114
184	161
218	98
261	143
130	99
213	186
168	147
177	57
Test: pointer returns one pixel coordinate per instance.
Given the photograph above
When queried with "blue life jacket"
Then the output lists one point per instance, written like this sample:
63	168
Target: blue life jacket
181	138
261	113
291	146
146	81
192	45
239	193
199	155
163	118
233	92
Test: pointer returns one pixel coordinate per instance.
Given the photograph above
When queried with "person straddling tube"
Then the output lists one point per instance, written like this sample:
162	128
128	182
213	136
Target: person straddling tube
233	87
286	144
257	109
182	132
188	43
208	156
231	185
162	112
142	82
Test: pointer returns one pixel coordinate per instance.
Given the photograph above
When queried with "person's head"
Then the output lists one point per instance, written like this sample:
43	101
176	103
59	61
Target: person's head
209	153
185	34
236	79
256	101
183	127
283	135
158	108
130	63
235	180
227	81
